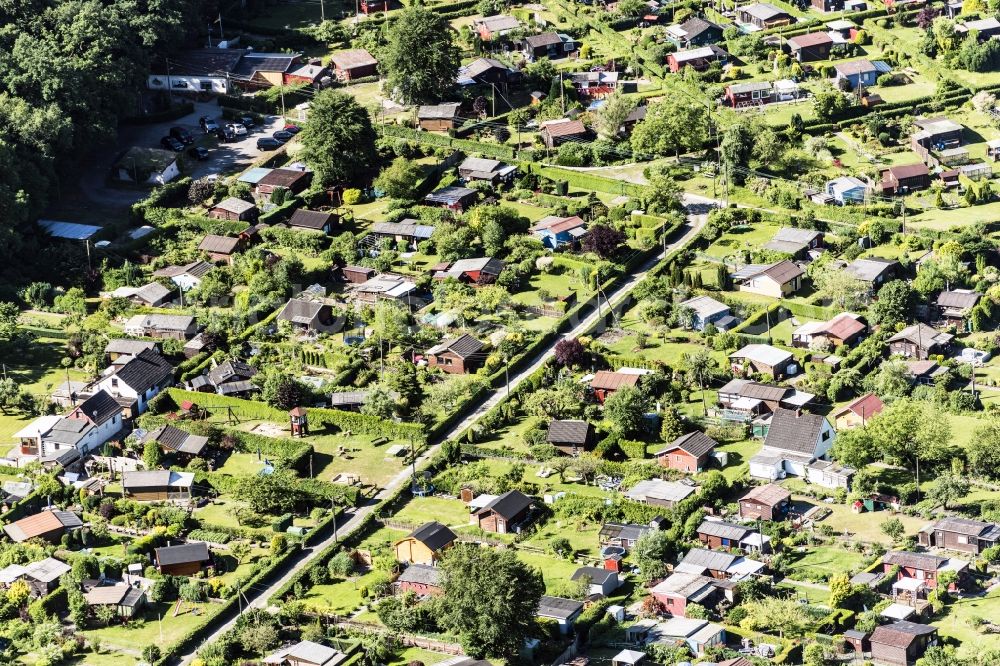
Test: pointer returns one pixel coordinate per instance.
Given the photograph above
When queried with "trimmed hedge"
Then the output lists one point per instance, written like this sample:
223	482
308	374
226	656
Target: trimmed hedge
282	522
282	212
633	449
165	116
585	180
354	422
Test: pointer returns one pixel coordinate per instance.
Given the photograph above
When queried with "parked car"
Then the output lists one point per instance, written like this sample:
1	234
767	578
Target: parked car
225	134
293	129
208	124
198	153
268	143
282	136
248	122
182	135
170	143
237	129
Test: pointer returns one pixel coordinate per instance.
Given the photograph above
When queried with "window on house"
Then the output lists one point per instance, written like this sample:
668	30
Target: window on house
114	382
206	86
826	435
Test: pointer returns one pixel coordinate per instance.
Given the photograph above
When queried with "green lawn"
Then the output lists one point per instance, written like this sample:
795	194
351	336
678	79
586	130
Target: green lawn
740	238
739	457
530	211
147	630
860	527
822	559
583	538
242	464
556	572
956	623
410	655
451	512
943	220
339	452
557	284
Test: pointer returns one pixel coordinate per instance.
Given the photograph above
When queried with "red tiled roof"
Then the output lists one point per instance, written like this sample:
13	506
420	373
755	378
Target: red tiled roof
866	406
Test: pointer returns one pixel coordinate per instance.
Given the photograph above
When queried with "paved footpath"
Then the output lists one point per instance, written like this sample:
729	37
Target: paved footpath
258	598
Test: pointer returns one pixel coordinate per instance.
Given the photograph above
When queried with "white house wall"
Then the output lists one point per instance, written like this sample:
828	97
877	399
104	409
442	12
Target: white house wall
188	83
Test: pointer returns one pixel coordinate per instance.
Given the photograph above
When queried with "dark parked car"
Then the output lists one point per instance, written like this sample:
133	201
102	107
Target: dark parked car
182	135
198	153
293	129
282	136
225	134
208	124
170	143
267	143
248	122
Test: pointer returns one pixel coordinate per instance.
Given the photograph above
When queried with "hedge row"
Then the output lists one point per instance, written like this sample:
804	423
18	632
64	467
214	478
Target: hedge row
261	578
318	417
194	638
193	366
282	212
165	116
258	104
494	150
811	310
586	180
295	453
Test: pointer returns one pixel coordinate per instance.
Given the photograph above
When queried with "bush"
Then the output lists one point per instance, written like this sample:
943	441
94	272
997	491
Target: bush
282	523
633	449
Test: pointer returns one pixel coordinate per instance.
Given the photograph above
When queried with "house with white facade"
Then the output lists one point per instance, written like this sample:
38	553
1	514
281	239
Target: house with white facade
62	439
138	380
795	439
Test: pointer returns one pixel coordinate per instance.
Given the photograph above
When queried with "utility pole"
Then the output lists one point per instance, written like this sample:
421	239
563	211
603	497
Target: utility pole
333	507
413	465
170	89
322	10
562	93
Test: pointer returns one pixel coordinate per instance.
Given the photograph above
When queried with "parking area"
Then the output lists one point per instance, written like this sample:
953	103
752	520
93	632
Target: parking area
223	158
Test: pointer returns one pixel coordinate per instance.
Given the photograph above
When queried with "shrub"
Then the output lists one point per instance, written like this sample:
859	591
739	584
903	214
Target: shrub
282	523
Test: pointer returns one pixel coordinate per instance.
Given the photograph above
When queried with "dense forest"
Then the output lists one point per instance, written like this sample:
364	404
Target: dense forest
69	71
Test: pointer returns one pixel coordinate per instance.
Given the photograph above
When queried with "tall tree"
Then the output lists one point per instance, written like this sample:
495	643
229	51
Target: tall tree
894	304
400	179
421	57
912	433
698	365
671	126
843	289
339	140
625	408
984	449
613	114
490	599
